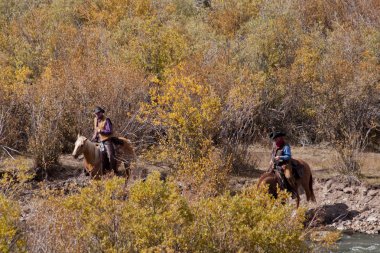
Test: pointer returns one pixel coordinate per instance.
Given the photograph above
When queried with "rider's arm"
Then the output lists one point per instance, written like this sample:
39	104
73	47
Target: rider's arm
94	135
286	153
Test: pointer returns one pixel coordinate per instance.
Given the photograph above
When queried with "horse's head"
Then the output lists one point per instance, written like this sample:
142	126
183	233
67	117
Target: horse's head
79	143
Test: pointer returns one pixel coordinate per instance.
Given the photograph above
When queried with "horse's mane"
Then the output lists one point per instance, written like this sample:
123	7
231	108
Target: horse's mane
90	151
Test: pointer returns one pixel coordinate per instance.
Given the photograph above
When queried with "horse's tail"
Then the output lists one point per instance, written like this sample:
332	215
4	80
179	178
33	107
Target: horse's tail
312	196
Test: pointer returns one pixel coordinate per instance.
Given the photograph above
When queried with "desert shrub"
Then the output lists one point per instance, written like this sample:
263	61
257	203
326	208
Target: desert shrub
14	174
251	222
11	237
284	59
154	216
188	112
346	108
100	219
227	17
53	228
326	13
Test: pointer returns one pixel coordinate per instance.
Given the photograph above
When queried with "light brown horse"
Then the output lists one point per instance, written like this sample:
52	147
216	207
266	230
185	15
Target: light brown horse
124	153
306	181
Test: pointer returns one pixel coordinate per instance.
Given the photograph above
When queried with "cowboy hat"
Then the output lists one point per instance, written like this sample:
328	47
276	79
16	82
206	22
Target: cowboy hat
98	109
274	135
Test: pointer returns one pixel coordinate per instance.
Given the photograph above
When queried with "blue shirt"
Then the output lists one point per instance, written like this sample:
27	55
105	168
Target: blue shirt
286	153
285	156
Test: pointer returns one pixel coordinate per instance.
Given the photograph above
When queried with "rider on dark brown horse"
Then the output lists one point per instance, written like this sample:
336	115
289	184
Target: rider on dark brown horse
281	157
103	133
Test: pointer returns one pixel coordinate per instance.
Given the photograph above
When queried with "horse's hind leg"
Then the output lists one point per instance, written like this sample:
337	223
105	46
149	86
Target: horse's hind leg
310	187
308	191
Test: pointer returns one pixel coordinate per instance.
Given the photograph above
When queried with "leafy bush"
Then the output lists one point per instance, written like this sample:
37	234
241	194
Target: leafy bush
266	65
251	222
189	113
153	216
11	237
15	174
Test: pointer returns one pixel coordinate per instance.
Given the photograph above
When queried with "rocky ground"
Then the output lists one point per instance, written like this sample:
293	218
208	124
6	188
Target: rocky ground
343	203
346	204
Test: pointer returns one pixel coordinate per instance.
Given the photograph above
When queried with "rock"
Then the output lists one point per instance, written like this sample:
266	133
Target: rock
363	190
372	219
365	208
327	186
372	193
340	227
348	190
367	200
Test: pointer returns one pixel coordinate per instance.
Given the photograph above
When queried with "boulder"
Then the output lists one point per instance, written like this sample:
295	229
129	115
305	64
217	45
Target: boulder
372	193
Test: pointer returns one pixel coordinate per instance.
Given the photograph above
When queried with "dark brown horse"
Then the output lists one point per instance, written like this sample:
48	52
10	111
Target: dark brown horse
306	181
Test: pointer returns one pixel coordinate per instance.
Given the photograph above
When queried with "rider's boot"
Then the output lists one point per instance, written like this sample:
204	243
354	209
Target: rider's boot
111	155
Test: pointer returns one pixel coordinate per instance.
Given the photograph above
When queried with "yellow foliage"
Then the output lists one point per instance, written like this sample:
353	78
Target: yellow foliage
228	16
11	239
154	217
251	222
15	174
190	111
167	45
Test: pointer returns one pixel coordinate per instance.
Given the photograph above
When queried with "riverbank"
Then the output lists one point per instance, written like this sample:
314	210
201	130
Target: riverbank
346	204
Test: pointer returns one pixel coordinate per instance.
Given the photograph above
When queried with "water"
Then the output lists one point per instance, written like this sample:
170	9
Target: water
359	243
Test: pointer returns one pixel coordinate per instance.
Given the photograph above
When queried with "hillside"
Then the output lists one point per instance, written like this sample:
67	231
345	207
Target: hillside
196	87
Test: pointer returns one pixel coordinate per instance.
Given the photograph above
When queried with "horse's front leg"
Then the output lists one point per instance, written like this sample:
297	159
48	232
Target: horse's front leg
127	166
97	171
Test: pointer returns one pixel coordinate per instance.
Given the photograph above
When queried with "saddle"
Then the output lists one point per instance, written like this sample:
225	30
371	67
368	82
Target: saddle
116	141
286	183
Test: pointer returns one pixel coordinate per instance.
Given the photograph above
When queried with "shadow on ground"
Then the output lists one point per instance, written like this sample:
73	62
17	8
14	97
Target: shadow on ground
329	214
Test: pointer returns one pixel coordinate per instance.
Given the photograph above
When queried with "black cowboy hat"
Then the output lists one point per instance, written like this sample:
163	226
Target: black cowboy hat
274	135
98	109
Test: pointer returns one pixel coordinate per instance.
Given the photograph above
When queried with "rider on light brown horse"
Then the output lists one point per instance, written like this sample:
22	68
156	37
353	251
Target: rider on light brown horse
102	133
280	162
